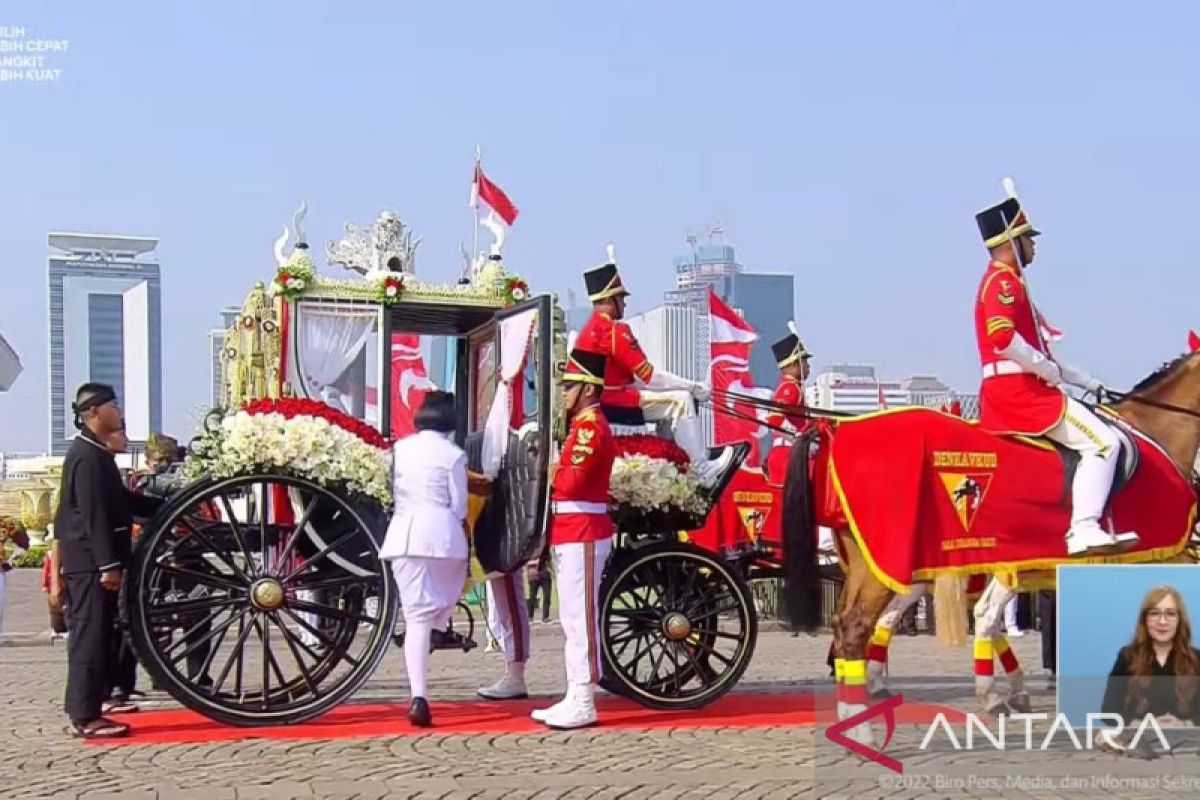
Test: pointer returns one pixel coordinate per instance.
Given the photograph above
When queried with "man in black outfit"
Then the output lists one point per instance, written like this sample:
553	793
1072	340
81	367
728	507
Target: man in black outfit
92	527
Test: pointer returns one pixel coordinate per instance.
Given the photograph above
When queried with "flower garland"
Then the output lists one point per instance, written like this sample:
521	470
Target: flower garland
12	530
650	484
653	447
390	288
515	291
299	437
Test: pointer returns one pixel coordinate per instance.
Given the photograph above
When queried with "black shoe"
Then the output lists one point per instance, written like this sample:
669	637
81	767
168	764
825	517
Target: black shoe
449	640
418	713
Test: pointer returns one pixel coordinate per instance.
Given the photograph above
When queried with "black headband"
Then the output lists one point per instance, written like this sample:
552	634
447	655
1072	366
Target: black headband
105	395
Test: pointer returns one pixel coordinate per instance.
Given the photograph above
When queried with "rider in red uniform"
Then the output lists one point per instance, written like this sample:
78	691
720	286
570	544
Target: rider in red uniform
634	391
793	361
1022	380
581	537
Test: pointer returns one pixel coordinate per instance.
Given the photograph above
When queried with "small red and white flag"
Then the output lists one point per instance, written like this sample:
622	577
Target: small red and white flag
730	341
1193	341
882	400
483	189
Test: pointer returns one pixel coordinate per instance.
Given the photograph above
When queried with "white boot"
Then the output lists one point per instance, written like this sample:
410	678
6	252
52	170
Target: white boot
709	472
690	439
510	687
577	711
540	714
1088	538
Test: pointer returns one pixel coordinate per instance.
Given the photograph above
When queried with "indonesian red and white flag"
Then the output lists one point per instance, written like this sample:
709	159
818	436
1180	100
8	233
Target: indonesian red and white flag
730	340
410	382
491	194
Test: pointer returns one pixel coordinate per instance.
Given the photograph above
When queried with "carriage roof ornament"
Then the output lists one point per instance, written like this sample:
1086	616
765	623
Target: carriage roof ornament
300	248
387	246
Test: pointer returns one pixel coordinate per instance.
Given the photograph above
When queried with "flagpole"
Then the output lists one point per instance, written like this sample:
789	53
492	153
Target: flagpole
475	207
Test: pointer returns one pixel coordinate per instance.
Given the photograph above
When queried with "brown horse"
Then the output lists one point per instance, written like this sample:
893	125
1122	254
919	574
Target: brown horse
1165	406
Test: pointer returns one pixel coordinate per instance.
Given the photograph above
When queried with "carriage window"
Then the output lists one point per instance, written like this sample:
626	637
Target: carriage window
336	356
483	382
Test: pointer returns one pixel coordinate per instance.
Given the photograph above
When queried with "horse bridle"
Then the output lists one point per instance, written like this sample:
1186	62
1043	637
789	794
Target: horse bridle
1103	394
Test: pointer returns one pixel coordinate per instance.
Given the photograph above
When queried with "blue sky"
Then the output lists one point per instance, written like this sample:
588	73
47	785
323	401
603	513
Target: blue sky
1097	613
850	144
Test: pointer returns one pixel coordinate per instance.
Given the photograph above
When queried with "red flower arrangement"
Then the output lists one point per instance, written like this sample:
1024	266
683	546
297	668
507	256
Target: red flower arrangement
515	291
652	447
290	407
390	289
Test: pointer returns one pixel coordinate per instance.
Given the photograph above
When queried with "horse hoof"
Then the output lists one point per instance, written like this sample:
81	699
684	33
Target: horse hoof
1020	703
998	709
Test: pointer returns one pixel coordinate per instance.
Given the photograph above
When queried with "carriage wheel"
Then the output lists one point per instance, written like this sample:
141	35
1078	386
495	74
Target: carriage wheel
261	600
677	626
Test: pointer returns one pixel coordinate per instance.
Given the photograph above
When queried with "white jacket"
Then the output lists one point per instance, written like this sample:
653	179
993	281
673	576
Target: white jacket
429	490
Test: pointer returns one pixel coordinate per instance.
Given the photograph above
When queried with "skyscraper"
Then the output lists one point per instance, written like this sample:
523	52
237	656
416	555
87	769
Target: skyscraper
764	299
106	326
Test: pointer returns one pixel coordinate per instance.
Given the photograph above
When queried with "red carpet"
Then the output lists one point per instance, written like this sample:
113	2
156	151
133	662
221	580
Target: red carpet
739	710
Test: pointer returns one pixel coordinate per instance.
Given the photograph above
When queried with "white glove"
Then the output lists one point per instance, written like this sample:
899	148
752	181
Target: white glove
701	392
1023	353
1077	377
661	380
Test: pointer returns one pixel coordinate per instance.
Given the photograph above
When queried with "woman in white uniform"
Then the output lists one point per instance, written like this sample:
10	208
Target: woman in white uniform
426	539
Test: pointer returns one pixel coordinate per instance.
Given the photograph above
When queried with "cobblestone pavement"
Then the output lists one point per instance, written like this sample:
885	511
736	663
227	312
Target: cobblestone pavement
38	760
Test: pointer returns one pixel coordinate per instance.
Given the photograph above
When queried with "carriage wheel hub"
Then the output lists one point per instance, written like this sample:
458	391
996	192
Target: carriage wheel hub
677	626
266	594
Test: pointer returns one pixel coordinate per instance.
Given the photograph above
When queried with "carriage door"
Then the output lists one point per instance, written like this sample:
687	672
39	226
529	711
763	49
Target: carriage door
515	447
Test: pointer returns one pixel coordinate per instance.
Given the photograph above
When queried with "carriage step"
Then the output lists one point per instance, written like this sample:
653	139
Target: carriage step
443	640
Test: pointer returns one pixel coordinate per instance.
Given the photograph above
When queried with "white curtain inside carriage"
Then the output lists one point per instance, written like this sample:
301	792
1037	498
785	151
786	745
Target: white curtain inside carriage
515	335
328	340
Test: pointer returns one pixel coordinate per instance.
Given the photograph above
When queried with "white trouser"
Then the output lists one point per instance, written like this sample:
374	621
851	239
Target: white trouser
508	617
3	593
577	570
677	406
1098	447
429	589
1010	614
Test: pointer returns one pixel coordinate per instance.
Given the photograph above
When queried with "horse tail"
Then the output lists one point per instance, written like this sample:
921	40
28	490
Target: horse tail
801	584
950	610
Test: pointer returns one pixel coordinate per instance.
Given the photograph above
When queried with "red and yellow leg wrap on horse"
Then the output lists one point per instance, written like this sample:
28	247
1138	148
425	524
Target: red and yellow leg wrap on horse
984	657
927	494
877	648
854	681
1008	659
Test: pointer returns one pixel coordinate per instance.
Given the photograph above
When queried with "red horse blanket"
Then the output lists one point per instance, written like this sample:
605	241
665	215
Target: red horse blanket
927	493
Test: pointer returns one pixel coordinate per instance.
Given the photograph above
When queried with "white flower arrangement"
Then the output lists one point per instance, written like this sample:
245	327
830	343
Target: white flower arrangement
650	484
305	446
295	275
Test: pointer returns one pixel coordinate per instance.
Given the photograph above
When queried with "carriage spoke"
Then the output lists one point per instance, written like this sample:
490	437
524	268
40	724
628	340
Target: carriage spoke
197	643
189	606
208	660
288	546
264	511
697	617
324	551
330	611
332	583
289	640
237	531
235	656
207	578
215	550
322	638
712	652
702	670
269	664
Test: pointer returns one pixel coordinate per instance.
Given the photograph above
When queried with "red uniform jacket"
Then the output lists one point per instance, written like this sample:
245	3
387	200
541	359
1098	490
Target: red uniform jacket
583	472
788	391
625	360
1011	400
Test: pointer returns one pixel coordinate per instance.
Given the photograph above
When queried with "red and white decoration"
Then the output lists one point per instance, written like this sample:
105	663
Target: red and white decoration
730	340
493	196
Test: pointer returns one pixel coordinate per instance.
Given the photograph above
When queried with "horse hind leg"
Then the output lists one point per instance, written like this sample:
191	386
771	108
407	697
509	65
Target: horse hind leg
881	640
989	617
857	621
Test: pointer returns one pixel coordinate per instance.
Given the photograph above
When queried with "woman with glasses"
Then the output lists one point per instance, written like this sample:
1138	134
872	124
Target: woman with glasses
1158	671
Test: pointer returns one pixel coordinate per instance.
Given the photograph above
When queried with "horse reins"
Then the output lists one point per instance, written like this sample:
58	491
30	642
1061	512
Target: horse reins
1146	401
